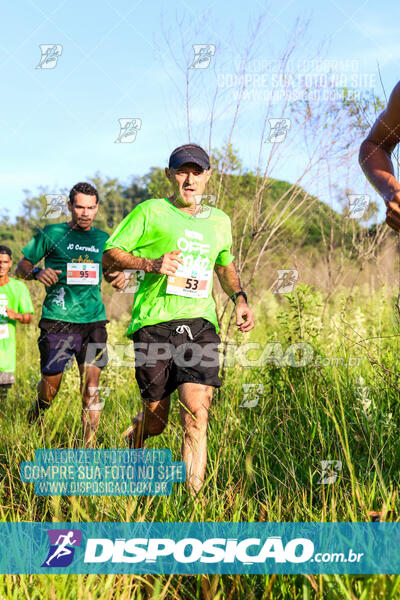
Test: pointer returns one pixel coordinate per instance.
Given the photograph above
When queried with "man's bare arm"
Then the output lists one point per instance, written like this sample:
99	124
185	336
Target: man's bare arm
24	318
375	154
229	279
117	259
24	269
46	276
115	278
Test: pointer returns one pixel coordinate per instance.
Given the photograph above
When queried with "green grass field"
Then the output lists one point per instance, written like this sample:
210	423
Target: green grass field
264	462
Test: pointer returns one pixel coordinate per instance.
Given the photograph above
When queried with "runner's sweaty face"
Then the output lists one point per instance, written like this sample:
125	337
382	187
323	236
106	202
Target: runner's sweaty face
5	264
188	183
83	210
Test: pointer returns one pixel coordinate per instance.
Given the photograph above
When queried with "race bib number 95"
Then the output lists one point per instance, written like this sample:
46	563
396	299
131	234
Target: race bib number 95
82	274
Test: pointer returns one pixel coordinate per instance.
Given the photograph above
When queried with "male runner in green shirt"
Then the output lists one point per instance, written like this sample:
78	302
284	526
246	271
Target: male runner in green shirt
376	157
73	313
15	305
178	243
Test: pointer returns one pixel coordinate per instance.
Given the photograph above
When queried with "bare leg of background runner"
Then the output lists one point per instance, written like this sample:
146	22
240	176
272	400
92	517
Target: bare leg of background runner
91	411
196	400
151	421
47	389
4	390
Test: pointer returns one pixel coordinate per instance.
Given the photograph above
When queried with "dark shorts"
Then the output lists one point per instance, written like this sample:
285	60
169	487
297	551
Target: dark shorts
166	356
60	341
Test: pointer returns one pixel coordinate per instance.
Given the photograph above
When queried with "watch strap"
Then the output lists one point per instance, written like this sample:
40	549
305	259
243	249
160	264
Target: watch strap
241	293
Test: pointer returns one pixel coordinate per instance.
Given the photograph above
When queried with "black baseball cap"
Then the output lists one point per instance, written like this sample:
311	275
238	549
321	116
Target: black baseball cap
189	153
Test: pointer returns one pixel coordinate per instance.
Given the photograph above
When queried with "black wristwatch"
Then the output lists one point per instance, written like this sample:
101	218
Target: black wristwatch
234	296
35	271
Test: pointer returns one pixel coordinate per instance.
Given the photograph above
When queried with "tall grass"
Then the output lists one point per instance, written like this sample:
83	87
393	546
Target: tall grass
264	462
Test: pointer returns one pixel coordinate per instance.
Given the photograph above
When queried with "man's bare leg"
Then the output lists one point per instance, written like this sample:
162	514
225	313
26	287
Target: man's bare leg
91	407
4	388
195	403
47	389
152	420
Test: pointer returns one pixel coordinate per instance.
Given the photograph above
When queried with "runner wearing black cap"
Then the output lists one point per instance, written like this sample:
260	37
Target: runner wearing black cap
178	243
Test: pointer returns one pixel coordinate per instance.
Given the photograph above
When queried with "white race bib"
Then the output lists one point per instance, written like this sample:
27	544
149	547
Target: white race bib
189	282
4	333
82	273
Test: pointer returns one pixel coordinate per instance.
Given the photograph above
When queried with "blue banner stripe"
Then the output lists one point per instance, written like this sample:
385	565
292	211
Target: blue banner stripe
184	548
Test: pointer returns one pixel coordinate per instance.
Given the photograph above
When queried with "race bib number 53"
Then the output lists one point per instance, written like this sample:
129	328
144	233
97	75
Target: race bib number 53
189	282
82	274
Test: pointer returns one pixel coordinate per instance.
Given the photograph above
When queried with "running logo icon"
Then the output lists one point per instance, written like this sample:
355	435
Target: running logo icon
133	278
252	394
128	130
59	298
50	55
202	55
205	201
56	205
330	471
278	130
62	542
286	281
358	204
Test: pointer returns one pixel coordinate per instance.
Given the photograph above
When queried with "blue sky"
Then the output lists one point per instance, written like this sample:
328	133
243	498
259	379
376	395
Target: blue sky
59	125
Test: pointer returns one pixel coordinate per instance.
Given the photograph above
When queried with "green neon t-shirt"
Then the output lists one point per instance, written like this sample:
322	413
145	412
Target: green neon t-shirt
155	227
76	297
15	295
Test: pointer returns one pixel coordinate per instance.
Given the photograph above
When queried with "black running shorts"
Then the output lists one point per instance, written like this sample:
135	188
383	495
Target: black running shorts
60	341
174	352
